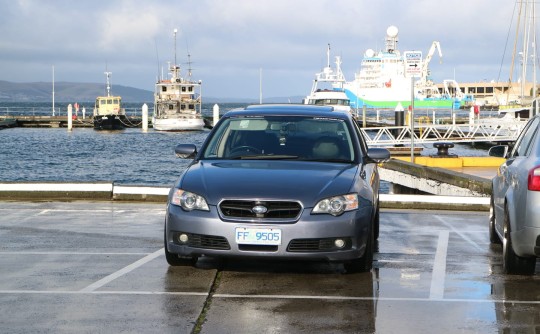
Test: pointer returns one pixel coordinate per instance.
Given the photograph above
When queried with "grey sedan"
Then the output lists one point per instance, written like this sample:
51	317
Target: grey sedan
515	202
281	182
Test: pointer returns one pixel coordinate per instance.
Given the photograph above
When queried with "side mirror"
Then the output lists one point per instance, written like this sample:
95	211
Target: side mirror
499	151
378	155
185	151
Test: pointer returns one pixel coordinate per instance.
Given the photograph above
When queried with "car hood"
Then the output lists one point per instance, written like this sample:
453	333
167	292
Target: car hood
307	182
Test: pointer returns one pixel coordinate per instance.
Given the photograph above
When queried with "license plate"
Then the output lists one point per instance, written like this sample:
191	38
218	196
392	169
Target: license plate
258	236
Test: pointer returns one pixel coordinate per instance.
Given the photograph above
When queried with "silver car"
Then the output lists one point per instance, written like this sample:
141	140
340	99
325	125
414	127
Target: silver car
515	202
277	181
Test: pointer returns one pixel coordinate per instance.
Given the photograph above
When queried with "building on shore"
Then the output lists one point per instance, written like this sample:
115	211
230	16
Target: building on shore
493	94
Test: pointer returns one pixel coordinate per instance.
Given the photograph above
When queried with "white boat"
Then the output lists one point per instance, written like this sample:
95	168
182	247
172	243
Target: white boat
384	79
177	102
108	111
327	89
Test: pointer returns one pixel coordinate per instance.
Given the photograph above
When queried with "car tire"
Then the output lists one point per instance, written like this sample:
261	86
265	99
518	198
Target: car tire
512	263
364	263
493	236
176	260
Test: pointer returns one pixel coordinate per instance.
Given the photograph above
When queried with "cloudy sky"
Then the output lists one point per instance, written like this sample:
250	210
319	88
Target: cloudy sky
232	41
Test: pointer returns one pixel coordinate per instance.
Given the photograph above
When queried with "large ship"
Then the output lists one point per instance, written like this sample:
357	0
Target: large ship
108	111
384	79
327	89
177	102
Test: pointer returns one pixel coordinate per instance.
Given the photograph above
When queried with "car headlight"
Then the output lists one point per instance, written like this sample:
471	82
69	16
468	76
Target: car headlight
337	205
188	200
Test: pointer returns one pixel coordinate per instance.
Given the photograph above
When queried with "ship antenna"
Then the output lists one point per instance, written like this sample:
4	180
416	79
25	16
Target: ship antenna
189	61
175	31
108	74
157	59
189	65
328	56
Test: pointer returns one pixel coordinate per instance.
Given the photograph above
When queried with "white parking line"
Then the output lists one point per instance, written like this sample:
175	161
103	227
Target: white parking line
123	271
70	253
439	267
461	234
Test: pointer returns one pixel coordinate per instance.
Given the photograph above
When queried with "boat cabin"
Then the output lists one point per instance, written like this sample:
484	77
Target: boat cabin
108	105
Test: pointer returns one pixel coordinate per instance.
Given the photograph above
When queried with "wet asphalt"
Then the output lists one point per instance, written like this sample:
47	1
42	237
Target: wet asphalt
99	267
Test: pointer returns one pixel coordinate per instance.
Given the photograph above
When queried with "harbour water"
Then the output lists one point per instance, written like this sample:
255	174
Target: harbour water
128	157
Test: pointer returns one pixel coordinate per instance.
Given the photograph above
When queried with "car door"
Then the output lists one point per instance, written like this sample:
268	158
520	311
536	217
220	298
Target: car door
510	184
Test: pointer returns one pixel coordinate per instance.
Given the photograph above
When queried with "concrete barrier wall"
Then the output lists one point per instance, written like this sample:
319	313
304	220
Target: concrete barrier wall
107	191
433	180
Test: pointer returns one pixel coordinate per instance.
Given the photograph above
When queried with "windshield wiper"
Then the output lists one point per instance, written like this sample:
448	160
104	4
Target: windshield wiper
347	161
265	157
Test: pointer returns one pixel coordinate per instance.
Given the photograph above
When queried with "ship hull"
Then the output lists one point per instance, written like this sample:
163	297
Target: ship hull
178	124
388	103
108	122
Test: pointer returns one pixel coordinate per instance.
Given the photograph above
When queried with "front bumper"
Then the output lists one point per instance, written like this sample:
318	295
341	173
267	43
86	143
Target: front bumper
310	237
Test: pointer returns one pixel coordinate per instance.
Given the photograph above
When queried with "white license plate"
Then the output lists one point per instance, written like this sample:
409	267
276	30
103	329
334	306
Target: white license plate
258	236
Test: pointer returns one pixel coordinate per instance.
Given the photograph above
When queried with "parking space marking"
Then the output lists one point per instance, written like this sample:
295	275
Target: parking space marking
70	253
439	267
275	297
461	234
96	285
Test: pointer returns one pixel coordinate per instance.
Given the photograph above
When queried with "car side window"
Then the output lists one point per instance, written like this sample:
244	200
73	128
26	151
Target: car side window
363	144
523	145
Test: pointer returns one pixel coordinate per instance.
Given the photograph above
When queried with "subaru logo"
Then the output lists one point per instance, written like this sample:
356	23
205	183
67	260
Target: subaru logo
259	209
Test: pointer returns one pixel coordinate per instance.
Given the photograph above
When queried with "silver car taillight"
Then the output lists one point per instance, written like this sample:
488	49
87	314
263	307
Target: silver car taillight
534	179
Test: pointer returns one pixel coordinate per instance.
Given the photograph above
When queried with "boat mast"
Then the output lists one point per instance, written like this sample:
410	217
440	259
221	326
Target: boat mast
533	15
53	90
174	32
328	56
108	74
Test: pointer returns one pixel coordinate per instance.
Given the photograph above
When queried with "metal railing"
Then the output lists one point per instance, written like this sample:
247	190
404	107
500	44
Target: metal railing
430	133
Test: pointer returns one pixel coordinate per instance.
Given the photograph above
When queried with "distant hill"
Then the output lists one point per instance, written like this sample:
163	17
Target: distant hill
87	92
67	92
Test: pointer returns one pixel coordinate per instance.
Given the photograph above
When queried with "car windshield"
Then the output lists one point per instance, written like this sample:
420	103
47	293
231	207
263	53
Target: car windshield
281	137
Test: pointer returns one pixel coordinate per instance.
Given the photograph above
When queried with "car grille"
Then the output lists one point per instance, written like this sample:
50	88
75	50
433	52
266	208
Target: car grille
243	209
316	245
205	241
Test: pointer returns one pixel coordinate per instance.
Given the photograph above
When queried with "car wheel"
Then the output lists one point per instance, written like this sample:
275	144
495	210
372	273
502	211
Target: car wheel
512	263
364	263
493	236
176	260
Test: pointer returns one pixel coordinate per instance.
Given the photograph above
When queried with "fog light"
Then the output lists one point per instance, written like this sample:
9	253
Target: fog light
183	238
340	243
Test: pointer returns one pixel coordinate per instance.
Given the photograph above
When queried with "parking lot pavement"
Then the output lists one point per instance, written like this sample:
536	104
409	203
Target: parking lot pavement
99	267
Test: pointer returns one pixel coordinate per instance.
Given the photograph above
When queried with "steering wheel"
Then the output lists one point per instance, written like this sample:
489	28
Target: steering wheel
246	148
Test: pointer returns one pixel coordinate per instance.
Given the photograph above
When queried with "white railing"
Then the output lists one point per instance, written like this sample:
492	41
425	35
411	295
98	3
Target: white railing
429	133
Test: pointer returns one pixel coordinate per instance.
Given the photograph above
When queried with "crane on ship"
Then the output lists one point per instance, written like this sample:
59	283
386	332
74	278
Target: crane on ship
435	46
424	86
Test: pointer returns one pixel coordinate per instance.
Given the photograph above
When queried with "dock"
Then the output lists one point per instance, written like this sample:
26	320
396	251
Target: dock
52	121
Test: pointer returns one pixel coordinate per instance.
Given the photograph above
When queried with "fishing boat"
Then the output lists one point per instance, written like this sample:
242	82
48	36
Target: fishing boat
327	88
108	111
177	101
384	79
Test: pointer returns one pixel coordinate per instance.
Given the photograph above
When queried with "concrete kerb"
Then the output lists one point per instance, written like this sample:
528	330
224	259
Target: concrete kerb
140	193
65	191
107	191
56	191
434	202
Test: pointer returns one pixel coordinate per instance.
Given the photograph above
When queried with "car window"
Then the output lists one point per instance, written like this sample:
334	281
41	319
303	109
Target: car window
293	137
523	144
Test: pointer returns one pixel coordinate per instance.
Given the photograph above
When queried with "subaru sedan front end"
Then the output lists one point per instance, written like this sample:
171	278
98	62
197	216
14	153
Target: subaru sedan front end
283	182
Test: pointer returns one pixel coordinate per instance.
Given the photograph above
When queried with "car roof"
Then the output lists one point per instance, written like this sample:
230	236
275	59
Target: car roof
287	110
